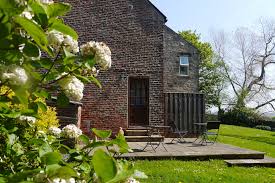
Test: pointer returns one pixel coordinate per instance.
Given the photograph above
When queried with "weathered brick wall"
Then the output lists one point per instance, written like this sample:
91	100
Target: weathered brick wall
133	30
174	47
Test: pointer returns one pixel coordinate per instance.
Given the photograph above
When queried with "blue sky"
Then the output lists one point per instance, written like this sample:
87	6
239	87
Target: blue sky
204	15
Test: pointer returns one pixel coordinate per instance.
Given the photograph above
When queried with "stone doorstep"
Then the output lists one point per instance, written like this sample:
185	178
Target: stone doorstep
266	162
136	132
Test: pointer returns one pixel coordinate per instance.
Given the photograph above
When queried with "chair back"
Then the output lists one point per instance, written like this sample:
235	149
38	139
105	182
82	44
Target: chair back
213	125
173	127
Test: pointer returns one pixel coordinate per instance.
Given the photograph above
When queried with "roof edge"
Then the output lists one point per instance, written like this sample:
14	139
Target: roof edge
171	30
157	10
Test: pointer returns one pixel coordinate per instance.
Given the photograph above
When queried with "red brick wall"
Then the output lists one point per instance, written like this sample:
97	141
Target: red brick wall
133	29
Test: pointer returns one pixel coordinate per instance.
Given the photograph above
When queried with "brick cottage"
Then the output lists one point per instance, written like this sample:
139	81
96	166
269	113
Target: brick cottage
149	61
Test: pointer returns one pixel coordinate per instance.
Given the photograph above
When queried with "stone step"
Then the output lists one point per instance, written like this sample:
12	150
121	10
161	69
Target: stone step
266	162
155	138
136	132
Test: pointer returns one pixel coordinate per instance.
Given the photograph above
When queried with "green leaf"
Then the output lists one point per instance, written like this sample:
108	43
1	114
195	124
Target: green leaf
40	13
3	180
18	149
7	4
5	30
85	167
62	100
31	50
52	169
63	172
51	158
95	81
34	31
102	133
104	165
44	149
12	114
121	142
21	95
85	139
11	56
95	144
126	170
6	44
83	78
46	63
42	94
70	58
42	106
57	9
63	28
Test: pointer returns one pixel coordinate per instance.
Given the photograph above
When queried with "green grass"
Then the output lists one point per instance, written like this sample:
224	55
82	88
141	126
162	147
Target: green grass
174	171
249	138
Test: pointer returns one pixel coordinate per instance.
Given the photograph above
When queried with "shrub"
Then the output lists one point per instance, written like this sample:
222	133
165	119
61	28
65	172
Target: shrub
211	117
241	117
27	29
47	119
262	127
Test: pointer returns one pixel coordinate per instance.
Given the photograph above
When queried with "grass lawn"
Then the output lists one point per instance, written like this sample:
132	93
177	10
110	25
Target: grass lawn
249	138
174	171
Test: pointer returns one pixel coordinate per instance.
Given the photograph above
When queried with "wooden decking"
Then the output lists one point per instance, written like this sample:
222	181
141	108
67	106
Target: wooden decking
189	151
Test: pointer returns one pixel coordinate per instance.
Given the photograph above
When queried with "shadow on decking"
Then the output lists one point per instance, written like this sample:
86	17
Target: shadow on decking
190	151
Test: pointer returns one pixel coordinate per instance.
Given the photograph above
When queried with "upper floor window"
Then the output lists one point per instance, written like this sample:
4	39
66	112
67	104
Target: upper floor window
184	65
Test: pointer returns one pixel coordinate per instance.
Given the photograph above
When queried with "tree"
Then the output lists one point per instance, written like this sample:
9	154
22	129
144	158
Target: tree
211	80
248	58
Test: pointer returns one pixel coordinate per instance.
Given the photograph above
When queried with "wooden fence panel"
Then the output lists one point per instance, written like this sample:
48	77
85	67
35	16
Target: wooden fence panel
185	109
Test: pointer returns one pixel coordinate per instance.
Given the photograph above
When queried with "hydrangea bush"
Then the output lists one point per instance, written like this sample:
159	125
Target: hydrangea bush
40	55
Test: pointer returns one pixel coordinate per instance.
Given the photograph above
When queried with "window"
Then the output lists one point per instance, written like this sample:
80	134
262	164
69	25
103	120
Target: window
184	65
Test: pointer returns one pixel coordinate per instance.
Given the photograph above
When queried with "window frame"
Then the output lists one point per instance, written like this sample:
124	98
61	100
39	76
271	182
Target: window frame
184	65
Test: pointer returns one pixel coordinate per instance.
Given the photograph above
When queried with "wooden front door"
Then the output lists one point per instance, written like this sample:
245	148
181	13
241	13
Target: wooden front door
139	101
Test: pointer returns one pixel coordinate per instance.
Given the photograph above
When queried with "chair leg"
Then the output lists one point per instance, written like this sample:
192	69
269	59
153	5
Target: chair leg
164	146
172	140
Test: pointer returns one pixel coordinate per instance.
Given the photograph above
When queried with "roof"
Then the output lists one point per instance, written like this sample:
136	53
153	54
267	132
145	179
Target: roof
157	10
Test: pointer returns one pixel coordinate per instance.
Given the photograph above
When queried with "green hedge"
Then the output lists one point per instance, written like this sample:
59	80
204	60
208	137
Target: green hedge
241	117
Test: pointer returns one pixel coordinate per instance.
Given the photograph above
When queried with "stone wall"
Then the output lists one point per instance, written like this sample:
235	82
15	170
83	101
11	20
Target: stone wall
133	29
174	47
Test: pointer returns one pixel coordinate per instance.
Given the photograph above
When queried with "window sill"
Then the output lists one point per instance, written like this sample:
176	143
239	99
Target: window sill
183	76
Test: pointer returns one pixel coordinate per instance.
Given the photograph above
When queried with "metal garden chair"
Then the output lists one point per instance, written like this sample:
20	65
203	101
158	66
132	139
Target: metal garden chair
180	134
214	126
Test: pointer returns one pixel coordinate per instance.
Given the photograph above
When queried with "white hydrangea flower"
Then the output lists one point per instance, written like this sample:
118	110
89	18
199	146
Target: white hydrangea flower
94	72
55	131
21	2
59	180
132	180
15	75
71	180
100	51
55	39
47	1
26	14
72	87
71	44
71	131
29	119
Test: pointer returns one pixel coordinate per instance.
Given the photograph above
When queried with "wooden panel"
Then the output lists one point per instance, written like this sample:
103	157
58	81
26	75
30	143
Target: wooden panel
185	109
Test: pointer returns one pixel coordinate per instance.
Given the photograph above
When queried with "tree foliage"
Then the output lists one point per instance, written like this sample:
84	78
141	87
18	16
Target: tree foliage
211	80
249	56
